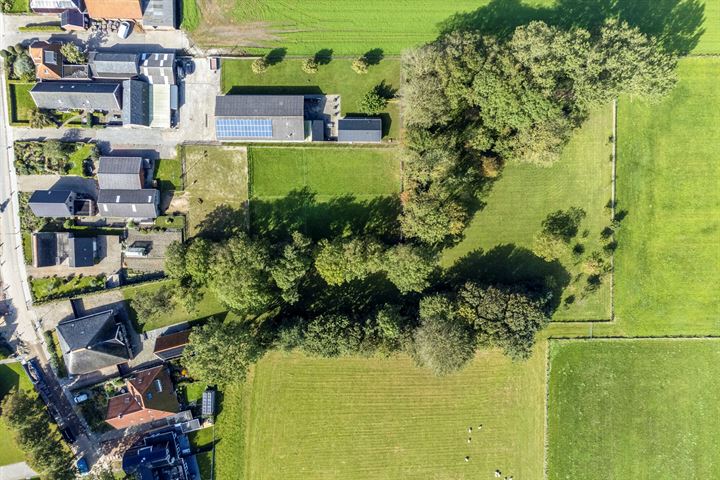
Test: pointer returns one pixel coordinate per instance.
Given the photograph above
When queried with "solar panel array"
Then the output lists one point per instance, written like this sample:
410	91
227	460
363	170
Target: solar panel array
243	127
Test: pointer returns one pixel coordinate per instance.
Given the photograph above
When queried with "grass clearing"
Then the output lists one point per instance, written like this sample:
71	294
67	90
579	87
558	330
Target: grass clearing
216	185
20	102
168	173
668	261
522	198
50	288
207	307
359	418
11	376
83	151
337	77
634	409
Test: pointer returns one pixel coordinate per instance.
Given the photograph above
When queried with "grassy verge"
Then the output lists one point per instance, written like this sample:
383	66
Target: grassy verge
20	102
11	376
168	173
356	418
190	16
170	221
502	233
56	287
207	307
634	409
216	186
56	357
336	77
27	248
667	263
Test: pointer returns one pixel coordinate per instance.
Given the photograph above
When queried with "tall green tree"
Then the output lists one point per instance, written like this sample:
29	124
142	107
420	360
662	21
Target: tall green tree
344	260
292	267
332	335
409	267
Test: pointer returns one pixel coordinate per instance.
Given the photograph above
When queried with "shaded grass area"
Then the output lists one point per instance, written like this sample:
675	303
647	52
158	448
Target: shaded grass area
324	191
355	27
217	188
202	440
500	236
170	221
57	287
82	152
168	173
668	260
11	376
27	247
204	461
335	77
634	409
207	307
359	418
20	102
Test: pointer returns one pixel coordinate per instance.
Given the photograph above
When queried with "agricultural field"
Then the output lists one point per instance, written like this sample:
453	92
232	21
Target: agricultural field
334	77
500	236
324	189
359	418
667	262
215	188
304	27
634	409
11	376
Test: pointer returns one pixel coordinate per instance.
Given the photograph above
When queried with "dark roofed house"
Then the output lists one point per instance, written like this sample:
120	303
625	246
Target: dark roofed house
171	345
90	96
72	20
278	118
360	130
118	66
159	15
93	342
53	203
82	251
54	248
136	103
138	204
150	396
121	173
163	454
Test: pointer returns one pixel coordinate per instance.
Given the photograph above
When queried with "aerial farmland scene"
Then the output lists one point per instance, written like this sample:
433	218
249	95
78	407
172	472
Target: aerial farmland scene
370	240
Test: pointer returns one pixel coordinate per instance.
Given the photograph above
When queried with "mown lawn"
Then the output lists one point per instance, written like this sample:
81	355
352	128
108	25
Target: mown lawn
168	173
57	287
359	418
82	152
641	409
668	259
336	77
216	187
11	376
207	307
502	233
20	102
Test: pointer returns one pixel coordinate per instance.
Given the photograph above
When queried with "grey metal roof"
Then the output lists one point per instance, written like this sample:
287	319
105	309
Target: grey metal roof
128	203
92	342
50	248
94	96
113	65
53	5
360	130
75	71
158	68
136	103
159	14
208	403
81	251
72	17
259	106
120	173
51	203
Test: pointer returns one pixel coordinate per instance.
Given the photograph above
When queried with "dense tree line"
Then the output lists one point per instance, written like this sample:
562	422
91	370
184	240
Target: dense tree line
46	452
473	103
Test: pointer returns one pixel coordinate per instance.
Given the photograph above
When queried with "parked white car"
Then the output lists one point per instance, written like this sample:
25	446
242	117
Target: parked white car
81	398
124	30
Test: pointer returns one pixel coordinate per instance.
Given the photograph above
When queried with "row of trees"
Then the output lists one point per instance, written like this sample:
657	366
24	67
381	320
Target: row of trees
473	103
46	452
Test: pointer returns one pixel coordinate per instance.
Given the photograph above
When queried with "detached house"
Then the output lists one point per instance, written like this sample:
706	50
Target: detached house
53	203
136	204
88	96
121	173
150	396
48	60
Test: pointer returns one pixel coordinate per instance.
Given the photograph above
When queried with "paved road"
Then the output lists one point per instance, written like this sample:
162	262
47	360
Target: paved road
16	471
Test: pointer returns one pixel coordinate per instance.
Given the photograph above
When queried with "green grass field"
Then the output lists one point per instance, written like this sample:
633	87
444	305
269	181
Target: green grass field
168	172
357	418
668	260
82	152
526	194
50	287
20	102
640	409
11	376
337	77
352	28
216	188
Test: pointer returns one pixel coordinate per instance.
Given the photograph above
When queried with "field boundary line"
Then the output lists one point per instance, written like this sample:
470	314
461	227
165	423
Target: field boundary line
631	339
613	201
546	439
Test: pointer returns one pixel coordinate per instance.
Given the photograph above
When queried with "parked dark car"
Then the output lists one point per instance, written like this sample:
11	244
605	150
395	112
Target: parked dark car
68	435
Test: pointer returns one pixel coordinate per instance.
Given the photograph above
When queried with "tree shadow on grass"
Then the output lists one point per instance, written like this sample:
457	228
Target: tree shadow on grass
677	24
222	223
276	55
300	210
374	56
323	56
512	265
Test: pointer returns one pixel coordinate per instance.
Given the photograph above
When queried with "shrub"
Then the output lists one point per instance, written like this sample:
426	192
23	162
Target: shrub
72	53
373	102
310	65
23	67
360	65
260	65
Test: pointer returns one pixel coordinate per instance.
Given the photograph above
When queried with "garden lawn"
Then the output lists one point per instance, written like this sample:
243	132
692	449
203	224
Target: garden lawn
11	376
523	197
360	418
51	288
352	28
207	307
20	6
168	172
641	409
82	152
216	187
337	77
20	102
668	258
